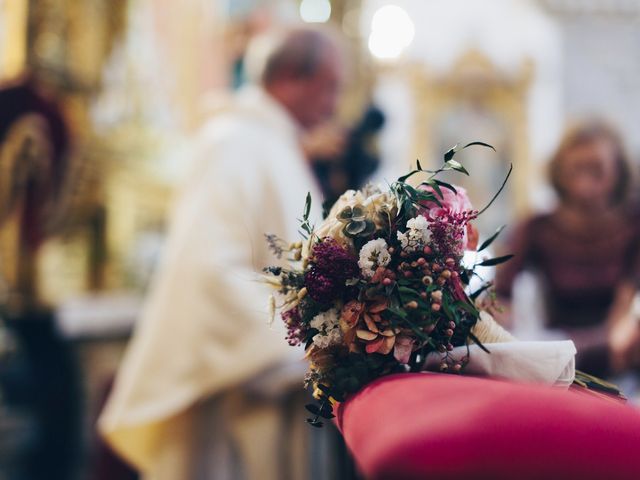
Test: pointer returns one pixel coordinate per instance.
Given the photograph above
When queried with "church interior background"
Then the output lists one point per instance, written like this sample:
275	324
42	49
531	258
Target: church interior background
135	79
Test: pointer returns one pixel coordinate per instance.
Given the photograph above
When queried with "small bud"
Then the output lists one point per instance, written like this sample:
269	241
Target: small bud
412	305
437	296
387	281
457	367
452	324
446	274
414	264
450	262
427	250
435	307
391	250
443	367
427	280
449	347
423	295
436	268
421	261
448	332
408	274
441	281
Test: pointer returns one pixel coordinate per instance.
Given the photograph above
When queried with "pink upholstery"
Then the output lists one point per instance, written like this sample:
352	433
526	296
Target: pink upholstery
444	426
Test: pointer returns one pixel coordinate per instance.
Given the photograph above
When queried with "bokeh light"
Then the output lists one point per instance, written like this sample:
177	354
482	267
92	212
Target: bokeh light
315	11
392	31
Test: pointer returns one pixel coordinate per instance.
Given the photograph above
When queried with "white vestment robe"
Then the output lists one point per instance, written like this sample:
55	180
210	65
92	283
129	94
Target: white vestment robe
204	328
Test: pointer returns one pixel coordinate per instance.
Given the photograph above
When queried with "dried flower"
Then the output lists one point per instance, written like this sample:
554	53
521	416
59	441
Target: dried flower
328	326
296	330
416	236
332	265
374	254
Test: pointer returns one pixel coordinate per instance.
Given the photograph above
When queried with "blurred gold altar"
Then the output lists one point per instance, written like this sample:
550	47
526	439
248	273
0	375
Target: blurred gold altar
126	85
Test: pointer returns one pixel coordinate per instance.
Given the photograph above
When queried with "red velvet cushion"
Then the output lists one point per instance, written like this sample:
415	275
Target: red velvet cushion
446	426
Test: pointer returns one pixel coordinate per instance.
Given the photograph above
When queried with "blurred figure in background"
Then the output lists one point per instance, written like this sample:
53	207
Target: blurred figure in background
191	399
586	252
39	390
344	160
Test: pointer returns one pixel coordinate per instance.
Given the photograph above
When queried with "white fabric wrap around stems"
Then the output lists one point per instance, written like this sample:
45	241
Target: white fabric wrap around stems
551	363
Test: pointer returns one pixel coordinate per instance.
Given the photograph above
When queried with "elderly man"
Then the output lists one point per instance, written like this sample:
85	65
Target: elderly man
203	333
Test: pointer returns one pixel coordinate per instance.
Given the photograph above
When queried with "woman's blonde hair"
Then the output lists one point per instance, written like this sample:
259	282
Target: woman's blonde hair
588	132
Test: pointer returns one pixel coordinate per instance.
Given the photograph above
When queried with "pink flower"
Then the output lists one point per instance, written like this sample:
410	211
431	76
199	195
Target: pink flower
454	214
452	203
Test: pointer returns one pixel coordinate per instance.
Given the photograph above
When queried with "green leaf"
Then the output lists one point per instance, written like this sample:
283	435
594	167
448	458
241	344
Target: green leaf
397	312
307	206
457	166
478	342
446	185
314	409
469	308
449	154
478	292
499	190
314	423
490	240
482	144
418	164
494	261
404	178
408	291
436	187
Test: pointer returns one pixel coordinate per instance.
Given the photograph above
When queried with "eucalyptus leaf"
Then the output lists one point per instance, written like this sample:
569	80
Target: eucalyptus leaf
504	182
314	423
446	185
457	166
404	178
307	206
482	144
449	154
490	240
479	292
494	261
313	408
478	342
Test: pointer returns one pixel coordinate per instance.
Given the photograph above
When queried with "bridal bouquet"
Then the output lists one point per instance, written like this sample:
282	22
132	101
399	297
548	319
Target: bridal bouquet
381	285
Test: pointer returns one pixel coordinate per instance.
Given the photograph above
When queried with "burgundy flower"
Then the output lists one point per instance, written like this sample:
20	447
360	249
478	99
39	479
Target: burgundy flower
296	331
333	260
331	266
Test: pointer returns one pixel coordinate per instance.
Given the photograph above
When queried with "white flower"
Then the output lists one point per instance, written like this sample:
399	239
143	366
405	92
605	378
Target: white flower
374	254
416	236
418	223
328	326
